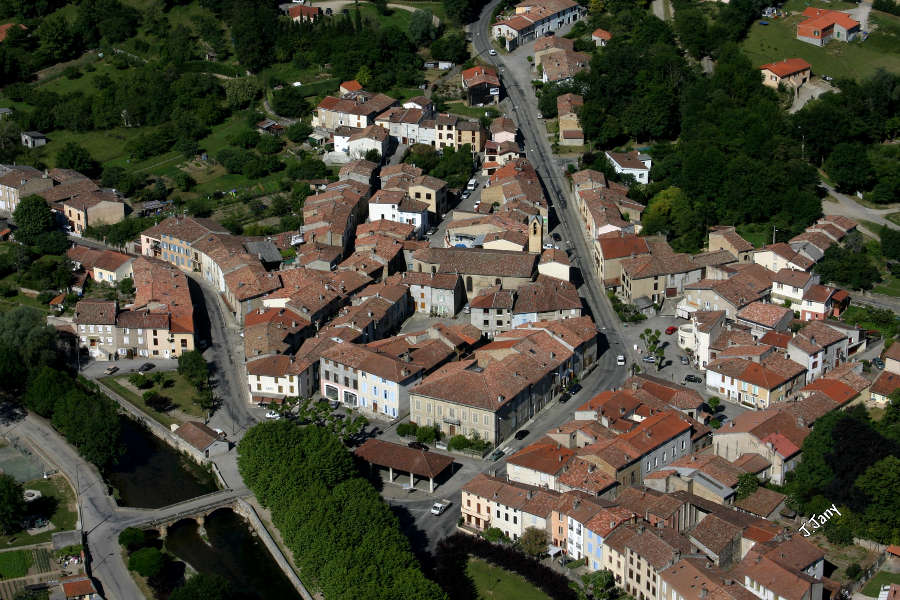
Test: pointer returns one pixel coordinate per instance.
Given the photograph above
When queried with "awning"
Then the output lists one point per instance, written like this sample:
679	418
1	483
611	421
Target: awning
554	550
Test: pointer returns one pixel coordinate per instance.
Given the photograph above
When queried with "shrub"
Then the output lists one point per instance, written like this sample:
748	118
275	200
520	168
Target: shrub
132	538
139	381
406	429
428	435
146	562
458	442
495	535
854	571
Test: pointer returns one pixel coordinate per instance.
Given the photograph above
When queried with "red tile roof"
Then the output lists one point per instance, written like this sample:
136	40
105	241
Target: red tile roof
886	383
787	67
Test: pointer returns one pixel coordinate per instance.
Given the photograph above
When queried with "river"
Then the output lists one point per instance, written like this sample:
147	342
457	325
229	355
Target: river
232	550
151	474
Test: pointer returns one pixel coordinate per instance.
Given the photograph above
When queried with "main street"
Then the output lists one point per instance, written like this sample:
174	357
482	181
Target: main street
517	83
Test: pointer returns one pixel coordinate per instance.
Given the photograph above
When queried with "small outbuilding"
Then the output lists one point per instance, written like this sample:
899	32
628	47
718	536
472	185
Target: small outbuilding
200	441
33	139
397	457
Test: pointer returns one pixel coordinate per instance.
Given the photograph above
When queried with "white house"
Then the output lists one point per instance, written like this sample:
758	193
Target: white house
631	163
437	294
374	383
789	285
279	376
696	336
396	205
373	137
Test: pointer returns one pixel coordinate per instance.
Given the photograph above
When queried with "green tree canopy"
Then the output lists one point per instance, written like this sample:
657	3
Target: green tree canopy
533	541
12	505
33	218
75	156
203	586
147	562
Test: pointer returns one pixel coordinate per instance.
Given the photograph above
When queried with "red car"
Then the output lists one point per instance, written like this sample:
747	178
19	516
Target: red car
671	329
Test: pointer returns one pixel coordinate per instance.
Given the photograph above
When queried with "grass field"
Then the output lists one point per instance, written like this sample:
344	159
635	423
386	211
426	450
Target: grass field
495	583
175	387
800	5
853	60
873	586
757	234
458	108
14	564
63	518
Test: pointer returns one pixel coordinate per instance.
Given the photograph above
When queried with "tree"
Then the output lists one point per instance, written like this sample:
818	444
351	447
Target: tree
192	365
381	6
373	155
33	217
714	404
849	167
427	435
879	484
75	156
421	27
289	101
451	47
126	286
132	538
12	505
533	541
846	267
203	586
298	132
44	387
494	535
599	584
147	562
747	484
270	144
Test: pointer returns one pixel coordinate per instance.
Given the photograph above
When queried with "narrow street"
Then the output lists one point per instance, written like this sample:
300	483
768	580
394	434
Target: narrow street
845	205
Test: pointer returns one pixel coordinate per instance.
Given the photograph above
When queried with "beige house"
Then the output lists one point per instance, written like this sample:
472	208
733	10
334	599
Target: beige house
95	208
790	72
773	434
570	132
480	269
511	507
610	251
19	181
776	257
430	190
657	276
636	554
725	237
755	384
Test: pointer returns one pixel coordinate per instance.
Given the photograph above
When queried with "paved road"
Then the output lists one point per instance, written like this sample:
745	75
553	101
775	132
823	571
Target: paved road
517	82
99	519
225	352
849	207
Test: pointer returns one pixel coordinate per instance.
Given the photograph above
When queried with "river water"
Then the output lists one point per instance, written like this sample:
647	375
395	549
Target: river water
232	550
151	474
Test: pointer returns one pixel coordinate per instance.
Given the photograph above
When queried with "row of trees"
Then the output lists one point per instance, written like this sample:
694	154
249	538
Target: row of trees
453	166
345	539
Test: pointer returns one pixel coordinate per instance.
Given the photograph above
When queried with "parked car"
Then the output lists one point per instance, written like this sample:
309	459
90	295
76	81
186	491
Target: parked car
111	370
418	446
271	414
684	360
522	434
564	397
432	231
574	388
467	309
671	329
556	237
145	367
649	358
878	363
620	360
689	378
438	508
493	52
496	455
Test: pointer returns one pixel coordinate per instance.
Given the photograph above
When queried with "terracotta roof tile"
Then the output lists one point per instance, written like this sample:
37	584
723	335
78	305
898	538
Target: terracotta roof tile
403	458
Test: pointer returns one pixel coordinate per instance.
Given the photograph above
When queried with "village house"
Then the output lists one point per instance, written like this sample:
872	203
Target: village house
547	45
304	13
790	285
433	294
823	25
776	257
547	299
273	377
374	383
729	295
631	163
373	138
601	37
491	311
695	337
432	191
761	318
19	181
818	348
725	237
554	263
102	265
397	206
773	434
636	555
563	65
360	170
755	384
33	139
199	441
657	276
790	72
489	501
481	85
480	269
99	207
355	108
534	19
570	132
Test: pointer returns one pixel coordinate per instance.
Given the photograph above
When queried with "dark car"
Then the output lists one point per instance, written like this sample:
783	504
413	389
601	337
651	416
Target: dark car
521	434
557	237
496	455
574	388
418	445
692	379
878	363
564	397
145	367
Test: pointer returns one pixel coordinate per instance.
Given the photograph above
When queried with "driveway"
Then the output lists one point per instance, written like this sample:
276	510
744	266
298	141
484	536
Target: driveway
861	14
849	207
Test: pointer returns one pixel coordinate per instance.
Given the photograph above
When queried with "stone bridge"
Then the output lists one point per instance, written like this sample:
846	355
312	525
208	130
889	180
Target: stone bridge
196	508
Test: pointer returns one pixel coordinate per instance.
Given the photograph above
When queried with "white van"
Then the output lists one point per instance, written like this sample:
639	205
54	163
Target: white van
472	184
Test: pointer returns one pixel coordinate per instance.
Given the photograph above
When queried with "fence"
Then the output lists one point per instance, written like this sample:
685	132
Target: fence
851	588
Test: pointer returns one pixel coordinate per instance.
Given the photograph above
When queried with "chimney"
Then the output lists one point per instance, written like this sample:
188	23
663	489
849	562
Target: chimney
530	494
591	468
703	592
576	504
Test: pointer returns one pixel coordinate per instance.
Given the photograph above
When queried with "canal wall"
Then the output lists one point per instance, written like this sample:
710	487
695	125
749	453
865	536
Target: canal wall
159	430
243	508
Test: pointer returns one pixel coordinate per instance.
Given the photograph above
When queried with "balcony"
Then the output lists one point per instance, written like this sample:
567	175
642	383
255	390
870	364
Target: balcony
450	420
